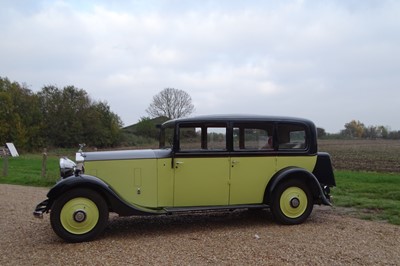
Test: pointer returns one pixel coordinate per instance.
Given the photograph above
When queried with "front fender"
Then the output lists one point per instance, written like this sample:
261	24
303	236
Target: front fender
73	181
115	203
297	173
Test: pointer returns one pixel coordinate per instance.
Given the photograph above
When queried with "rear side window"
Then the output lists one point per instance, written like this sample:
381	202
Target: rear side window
292	137
252	137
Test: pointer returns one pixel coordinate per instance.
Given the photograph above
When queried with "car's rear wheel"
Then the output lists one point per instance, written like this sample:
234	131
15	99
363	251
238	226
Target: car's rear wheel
79	215
292	202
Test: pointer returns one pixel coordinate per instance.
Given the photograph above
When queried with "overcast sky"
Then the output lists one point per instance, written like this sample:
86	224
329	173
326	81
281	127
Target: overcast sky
328	61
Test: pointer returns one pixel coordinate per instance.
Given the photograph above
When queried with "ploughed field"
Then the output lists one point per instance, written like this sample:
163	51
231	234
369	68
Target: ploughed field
363	155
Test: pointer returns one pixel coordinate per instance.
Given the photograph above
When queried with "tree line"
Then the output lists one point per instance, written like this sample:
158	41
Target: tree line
55	117
357	130
65	117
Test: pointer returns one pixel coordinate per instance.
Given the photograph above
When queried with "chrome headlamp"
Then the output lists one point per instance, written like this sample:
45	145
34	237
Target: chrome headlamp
67	167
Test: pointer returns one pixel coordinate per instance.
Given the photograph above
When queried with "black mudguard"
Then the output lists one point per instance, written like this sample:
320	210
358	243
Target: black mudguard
323	170
115	203
300	174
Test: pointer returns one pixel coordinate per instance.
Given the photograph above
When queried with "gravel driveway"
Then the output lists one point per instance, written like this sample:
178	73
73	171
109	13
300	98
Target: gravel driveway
228	238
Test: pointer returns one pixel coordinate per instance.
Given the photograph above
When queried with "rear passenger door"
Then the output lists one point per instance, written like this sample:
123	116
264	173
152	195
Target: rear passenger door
253	162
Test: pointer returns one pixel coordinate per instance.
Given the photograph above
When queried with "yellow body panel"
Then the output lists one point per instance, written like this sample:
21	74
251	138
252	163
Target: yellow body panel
135	181
201	181
213	181
305	162
249	178
165	183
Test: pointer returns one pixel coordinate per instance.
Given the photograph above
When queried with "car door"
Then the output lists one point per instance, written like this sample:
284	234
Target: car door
201	166
253	162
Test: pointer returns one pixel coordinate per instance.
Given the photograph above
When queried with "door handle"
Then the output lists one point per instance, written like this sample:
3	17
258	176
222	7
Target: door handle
234	162
177	163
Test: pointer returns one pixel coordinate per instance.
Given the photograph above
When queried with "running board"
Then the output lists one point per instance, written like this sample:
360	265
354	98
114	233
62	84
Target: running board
215	208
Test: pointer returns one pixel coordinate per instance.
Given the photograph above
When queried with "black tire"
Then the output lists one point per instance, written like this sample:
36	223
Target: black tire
79	215
291	202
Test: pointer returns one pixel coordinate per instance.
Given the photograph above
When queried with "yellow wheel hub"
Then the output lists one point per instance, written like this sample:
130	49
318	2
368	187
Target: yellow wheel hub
293	202
79	216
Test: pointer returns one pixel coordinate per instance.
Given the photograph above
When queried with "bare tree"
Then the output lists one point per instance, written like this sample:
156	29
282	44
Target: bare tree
171	103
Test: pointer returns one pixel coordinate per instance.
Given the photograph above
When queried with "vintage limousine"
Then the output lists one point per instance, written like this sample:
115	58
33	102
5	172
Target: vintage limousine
223	162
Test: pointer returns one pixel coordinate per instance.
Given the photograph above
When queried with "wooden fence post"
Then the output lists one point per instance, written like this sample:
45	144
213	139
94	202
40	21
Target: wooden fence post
5	163
44	163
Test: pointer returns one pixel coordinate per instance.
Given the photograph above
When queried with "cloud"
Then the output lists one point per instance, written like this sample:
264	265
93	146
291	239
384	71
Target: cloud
327	61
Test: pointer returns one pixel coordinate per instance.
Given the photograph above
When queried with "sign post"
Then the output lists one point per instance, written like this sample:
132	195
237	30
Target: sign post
44	163
6	151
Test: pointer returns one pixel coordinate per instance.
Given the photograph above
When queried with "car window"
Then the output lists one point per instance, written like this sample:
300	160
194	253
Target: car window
292	136
252	137
190	138
216	138
167	137
209	138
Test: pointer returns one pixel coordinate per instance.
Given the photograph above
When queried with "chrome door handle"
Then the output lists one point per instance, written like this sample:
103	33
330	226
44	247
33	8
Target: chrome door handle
177	163
234	162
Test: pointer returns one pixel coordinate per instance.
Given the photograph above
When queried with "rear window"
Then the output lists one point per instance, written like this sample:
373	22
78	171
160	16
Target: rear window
291	137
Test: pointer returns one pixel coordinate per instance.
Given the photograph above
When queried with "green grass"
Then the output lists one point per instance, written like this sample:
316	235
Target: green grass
27	170
375	196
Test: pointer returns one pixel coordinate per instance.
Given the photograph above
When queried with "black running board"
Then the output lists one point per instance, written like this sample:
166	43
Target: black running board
215	208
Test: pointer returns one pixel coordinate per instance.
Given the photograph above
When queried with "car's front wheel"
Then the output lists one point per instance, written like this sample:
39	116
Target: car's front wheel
79	215
292	202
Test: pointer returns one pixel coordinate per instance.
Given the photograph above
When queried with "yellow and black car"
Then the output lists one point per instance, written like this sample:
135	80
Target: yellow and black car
216	162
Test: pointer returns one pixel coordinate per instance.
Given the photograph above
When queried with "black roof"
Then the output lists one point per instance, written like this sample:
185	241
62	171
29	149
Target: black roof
239	118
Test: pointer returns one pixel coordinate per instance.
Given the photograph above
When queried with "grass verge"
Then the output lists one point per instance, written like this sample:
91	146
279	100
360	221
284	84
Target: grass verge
373	196
27	170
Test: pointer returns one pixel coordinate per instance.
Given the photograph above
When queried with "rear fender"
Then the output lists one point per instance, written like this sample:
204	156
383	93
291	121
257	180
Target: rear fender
298	174
323	170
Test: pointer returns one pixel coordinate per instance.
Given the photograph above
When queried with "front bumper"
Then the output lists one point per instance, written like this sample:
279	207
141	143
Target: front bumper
41	208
